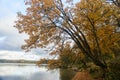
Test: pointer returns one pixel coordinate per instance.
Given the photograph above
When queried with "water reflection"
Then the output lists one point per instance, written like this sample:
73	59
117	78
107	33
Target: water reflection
32	72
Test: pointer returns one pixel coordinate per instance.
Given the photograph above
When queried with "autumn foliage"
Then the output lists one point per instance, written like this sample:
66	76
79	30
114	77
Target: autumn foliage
91	26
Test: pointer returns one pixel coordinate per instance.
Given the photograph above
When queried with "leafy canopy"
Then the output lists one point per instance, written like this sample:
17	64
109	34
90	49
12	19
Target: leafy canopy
89	24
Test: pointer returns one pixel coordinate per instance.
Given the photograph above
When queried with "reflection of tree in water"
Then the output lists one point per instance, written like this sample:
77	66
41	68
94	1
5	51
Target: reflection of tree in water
66	74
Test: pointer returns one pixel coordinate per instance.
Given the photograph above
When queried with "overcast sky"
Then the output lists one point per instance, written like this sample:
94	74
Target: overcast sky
10	39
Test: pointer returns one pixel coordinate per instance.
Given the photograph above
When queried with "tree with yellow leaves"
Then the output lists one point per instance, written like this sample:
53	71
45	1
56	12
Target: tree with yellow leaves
90	24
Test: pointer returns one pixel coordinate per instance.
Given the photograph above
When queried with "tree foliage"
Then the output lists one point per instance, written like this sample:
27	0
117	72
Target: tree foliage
89	24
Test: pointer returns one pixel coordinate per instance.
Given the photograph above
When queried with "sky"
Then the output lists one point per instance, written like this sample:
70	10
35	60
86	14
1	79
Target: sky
10	39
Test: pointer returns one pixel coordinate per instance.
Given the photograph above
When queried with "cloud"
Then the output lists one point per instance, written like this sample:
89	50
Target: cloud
2	39
13	38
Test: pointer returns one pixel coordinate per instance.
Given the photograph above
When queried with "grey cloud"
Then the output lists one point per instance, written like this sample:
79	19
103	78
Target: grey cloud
13	40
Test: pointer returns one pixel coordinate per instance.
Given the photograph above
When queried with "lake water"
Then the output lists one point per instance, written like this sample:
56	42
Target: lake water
32	72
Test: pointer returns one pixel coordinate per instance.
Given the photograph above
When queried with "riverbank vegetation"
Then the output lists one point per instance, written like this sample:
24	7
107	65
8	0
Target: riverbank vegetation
84	35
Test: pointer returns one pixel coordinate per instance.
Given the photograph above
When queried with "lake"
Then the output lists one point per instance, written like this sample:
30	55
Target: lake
18	71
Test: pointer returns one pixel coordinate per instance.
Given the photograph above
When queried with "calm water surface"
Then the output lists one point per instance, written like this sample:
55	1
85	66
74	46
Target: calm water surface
32	72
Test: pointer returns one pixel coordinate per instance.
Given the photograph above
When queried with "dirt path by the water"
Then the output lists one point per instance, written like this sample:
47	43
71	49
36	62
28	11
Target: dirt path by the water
84	75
